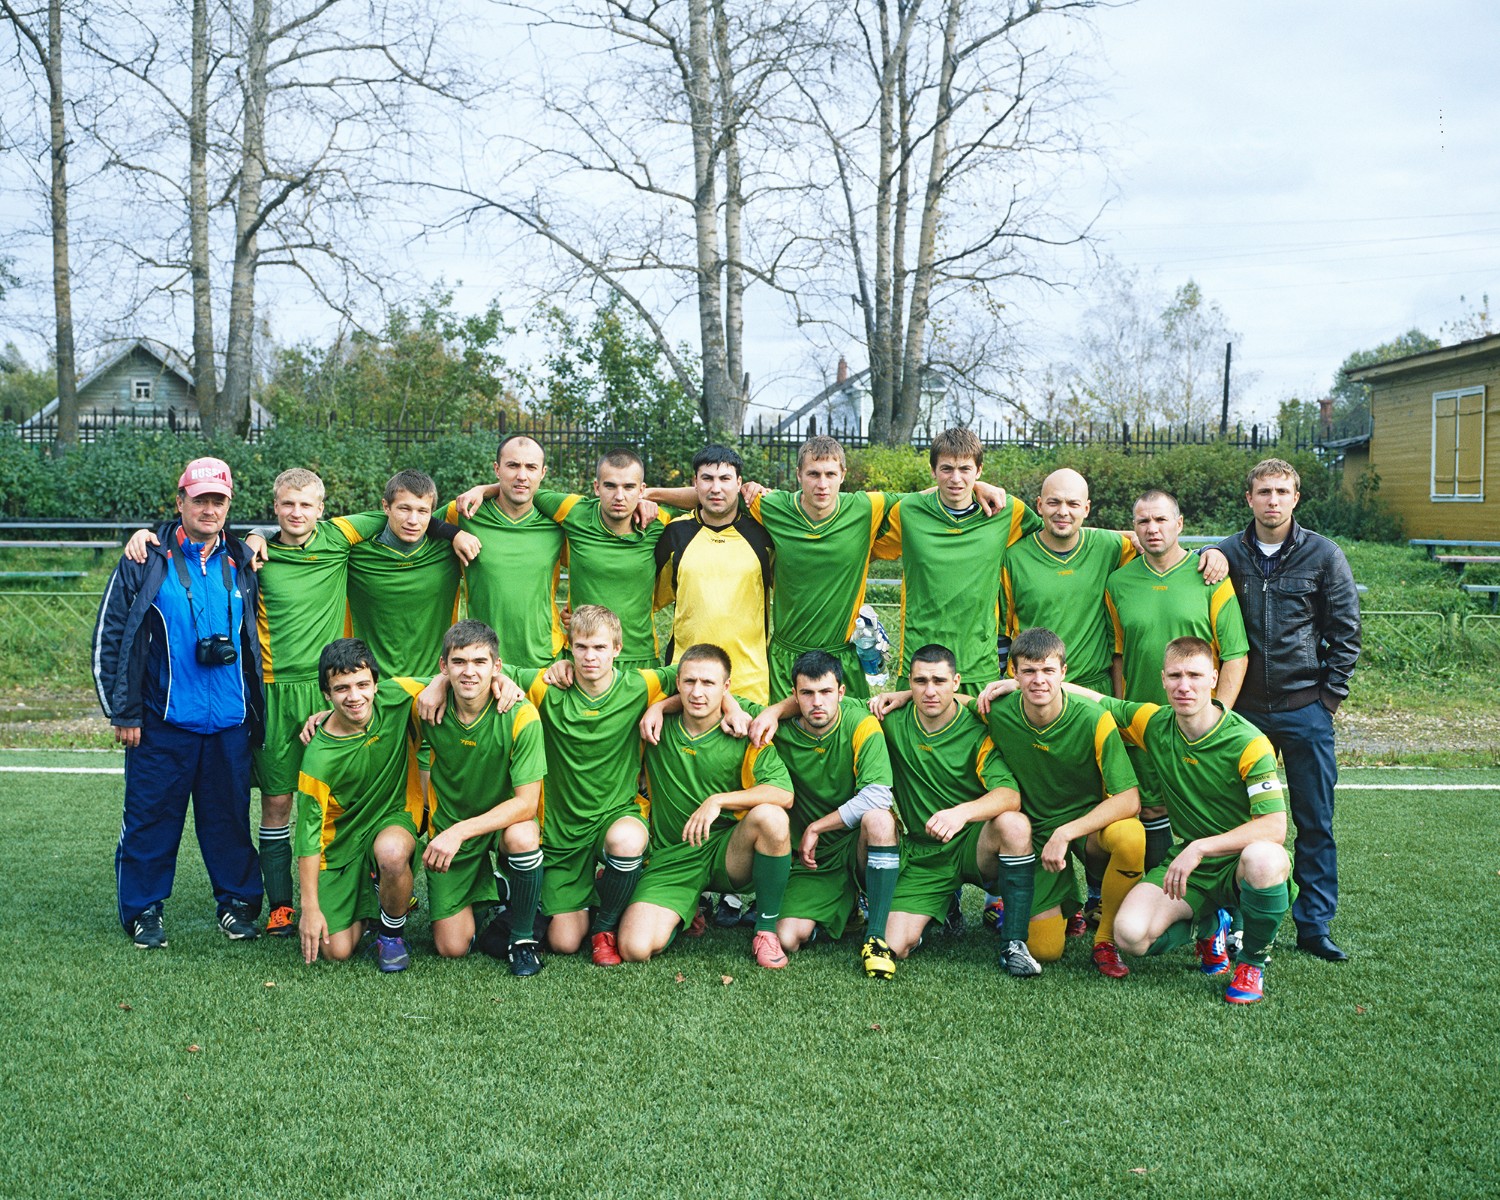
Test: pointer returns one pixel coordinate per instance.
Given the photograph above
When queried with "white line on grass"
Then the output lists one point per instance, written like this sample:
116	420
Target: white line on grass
1418	787
62	770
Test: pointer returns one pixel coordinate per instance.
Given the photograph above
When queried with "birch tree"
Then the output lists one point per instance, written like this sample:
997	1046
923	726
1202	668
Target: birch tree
40	48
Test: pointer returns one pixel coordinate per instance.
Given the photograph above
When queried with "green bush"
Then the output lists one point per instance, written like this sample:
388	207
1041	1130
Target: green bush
23	475
888	469
458	462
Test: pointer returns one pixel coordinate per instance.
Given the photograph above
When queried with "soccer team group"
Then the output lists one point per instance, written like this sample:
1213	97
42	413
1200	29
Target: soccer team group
617	784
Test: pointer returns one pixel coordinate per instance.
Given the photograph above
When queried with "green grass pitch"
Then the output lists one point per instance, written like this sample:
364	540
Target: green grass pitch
213	1069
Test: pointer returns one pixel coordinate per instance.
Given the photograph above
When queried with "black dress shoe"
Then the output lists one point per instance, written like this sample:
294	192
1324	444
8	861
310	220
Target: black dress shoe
1321	945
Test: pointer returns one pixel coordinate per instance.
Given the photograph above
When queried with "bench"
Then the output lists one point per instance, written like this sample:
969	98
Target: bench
1460	561
1484	589
7	575
98	547
1433	545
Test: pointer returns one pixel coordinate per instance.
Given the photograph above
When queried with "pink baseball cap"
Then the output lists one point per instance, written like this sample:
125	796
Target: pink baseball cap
207	475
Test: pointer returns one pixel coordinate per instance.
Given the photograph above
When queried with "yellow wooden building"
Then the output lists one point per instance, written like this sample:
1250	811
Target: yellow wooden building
1435	439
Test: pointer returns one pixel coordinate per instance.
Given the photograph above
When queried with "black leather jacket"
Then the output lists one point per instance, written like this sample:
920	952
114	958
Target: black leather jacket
1303	622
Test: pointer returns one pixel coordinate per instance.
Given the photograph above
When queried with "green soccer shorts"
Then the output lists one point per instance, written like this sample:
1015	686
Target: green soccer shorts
1210	886
829	894
932	871
469	879
677	875
276	764
568	871
348	894
1060	888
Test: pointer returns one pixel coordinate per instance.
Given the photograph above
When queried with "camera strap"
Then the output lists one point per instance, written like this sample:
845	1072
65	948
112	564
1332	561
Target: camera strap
179	560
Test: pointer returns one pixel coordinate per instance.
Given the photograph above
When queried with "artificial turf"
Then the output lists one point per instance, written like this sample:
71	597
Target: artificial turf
227	1070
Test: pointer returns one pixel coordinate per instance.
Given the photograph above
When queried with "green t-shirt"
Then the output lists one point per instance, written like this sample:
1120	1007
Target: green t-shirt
593	747
683	771
820	566
1211	785
1065	593
1066	768
950	579
934	771
615	570
1150	609
302	601
828	769
401	600
512	585
350	786
477	766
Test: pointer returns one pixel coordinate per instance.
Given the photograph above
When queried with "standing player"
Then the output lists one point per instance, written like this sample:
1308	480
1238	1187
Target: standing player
359	806
1302	610
1151	601
1077	789
512	586
487	769
718	819
842	822
715	563
1218	774
960	813
950	555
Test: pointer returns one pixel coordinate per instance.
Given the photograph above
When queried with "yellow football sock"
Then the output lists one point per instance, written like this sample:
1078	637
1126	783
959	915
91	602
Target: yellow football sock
1125	843
1046	936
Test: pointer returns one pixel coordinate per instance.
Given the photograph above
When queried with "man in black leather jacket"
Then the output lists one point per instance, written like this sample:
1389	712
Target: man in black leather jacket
1301	613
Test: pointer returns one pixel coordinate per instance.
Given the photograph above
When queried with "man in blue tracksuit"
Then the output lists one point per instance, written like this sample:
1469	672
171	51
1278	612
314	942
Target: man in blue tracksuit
177	667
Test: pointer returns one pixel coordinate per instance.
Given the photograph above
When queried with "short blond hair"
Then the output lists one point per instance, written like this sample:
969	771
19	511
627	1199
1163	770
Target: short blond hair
297	479
595	618
1269	468
819	447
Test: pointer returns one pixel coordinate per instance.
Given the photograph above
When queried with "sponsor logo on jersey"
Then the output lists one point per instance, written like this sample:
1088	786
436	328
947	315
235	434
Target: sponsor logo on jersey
373	740
466	742
1069	571
1159	587
689	750
1042	748
1190	760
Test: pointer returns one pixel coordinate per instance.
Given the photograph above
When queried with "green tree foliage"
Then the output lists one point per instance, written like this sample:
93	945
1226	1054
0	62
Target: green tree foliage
611	373
1351	400
24	389
428	365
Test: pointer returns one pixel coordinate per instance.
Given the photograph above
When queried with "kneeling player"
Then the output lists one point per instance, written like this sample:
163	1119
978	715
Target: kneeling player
359	809
841	819
1218	775
479	755
960	808
1077	789
718	819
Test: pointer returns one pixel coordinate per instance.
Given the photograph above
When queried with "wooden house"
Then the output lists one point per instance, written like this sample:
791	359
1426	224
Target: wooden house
1435	439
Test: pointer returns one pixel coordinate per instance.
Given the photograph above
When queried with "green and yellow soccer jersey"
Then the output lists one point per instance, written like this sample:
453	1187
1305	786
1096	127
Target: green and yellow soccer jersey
820	566
593	748
683	771
302	601
615	570
829	768
349	787
934	771
1150	608
512	585
1066	768
950	578
481	764
1065	593
1210	785
401	599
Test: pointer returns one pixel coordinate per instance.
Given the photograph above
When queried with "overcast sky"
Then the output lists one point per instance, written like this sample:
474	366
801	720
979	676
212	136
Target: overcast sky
1325	171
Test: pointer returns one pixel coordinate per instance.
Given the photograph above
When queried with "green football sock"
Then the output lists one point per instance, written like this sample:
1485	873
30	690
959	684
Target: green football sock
768	875
614	887
525	871
1262	909
882	870
1178	934
1017	886
276	865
